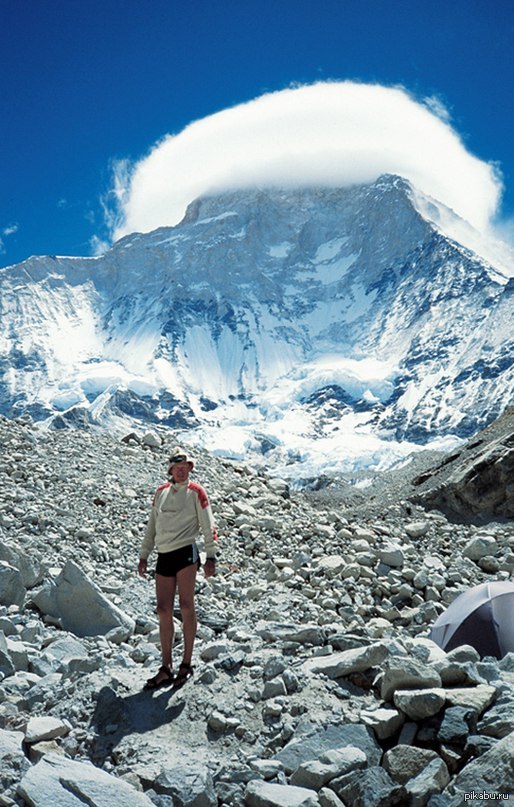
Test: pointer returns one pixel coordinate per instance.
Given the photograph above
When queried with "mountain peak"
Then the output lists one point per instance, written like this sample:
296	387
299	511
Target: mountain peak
336	326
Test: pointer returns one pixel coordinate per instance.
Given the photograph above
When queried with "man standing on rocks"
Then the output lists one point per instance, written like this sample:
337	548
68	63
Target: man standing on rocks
180	511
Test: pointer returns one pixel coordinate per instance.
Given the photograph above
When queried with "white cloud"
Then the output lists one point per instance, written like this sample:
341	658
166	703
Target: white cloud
11	229
330	133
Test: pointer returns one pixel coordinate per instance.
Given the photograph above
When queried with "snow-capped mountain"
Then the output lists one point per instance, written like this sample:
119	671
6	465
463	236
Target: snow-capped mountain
339	327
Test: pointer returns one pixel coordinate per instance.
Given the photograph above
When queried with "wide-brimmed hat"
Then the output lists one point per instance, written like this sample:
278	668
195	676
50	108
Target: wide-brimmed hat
179	455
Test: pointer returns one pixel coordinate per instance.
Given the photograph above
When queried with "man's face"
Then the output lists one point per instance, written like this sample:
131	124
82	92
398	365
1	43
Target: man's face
180	471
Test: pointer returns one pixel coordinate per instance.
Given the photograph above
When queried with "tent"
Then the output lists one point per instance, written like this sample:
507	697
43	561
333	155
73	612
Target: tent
482	617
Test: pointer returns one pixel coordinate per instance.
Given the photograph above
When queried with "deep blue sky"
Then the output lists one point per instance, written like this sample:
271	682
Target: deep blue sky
83	82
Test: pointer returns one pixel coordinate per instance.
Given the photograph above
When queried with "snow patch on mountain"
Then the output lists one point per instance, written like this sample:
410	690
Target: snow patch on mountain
308	330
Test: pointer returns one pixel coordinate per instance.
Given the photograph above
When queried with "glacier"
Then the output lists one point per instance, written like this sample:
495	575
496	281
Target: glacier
310	330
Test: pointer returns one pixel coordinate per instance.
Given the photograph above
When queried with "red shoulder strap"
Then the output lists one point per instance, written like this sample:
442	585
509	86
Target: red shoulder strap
200	492
161	487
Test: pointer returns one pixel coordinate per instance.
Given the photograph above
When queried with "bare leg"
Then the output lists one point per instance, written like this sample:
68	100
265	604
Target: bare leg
186	579
165	591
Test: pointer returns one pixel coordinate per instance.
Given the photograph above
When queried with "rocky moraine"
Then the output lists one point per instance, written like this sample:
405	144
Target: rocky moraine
315	681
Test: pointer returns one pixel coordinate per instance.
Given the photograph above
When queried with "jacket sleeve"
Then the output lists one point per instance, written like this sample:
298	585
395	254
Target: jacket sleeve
206	523
149	539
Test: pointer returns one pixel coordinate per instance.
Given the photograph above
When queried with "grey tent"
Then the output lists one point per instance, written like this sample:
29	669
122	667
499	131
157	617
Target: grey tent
482	617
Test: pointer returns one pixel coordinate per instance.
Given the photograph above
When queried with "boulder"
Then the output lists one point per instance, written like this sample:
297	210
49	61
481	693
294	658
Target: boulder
476	479
80	605
67	783
12	590
265	794
384	721
311	740
419	704
13	762
491	772
6	663
372	787
432	779
478	698
45	728
188	784
480	547
392	555
29	566
402	672
332	565
458	723
405	762
315	773
346	662
289	632
499	720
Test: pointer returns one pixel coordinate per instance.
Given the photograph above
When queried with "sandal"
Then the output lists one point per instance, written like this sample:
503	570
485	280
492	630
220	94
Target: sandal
185	672
154	683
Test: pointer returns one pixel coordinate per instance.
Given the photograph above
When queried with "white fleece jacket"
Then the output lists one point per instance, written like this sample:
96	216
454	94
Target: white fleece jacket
180	512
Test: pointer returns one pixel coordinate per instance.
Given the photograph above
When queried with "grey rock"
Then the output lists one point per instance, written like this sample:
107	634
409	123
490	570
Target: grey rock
30	567
419	704
327	798
265	794
44	690
316	773
311	740
464	653
274	689
218	721
405	762
332	565
432	779
406	673
291	681
18	652
479	547
267	768
273	631
151	440
346	662
7	626
392	555
190	785
416	529
372	787
492	772
69	651
57	780
458	723
477	479
13	762
80	604
499	720
6	663
12	590
478	698
45	728
274	666
384	721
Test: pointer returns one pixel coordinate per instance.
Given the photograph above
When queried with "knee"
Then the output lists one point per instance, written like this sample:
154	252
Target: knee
164	609
187	605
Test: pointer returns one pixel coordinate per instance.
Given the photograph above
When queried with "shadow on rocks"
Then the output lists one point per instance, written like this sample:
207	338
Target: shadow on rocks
116	717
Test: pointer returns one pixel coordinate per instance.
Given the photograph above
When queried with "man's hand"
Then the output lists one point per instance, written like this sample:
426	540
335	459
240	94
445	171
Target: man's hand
142	566
209	567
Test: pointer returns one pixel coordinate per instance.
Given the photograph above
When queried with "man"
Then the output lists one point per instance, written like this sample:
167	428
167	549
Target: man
180	511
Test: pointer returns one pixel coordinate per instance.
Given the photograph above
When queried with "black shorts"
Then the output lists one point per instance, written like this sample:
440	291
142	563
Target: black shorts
169	563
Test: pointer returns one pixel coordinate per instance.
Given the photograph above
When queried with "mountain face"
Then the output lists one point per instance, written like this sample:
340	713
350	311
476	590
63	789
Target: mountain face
336	327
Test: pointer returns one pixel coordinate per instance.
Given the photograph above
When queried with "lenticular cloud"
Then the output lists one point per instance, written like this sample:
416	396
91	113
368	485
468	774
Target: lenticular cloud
337	133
